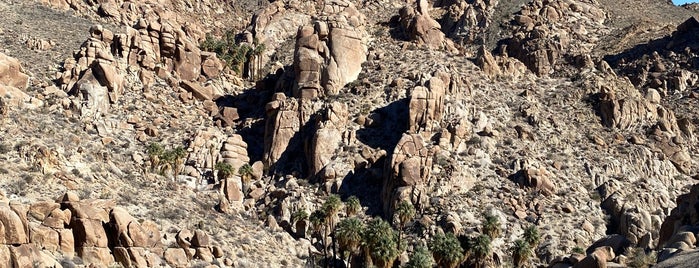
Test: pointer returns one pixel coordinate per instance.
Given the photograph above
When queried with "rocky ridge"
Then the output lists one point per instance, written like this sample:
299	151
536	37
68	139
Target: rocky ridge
549	127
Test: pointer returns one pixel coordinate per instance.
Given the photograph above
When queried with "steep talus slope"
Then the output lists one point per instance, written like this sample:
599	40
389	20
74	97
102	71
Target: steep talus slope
236	119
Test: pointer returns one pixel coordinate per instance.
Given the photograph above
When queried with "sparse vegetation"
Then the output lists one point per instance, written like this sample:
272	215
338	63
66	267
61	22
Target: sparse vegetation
224	169
531	236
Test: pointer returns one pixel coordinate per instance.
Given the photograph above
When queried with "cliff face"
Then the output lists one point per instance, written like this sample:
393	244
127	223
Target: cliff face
235	119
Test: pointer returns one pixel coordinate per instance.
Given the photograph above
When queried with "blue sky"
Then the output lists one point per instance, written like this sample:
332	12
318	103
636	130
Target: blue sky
679	2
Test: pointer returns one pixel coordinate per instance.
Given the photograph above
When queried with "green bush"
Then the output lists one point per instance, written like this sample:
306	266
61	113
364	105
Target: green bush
225	170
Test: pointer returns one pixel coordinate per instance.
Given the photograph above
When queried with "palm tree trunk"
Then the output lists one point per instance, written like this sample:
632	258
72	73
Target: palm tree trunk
325	246
334	253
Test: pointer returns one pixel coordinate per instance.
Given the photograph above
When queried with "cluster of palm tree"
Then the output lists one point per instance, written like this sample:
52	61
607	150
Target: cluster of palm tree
522	249
373	242
448	250
237	55
163	160
374	239
225	171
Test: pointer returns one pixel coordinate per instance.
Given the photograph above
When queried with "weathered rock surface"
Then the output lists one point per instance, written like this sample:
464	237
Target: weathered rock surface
330	53
421	27
408	173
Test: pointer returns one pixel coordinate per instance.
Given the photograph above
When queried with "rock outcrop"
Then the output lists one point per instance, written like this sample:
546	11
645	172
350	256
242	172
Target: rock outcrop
426	106
678	230
544	33
407	173
13	83
330	53
282	125
419	26
95	230
467	21
98	73
327	137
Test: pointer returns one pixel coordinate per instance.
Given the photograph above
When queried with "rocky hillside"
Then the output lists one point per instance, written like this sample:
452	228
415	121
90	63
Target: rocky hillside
338	133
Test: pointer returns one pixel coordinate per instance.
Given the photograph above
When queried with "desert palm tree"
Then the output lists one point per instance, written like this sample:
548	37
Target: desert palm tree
446	250
531	236
421	258
491	226
319	225
480	250
521	252
155	153
245	172
381	243
178	155
332	207
352	206
349	233
224	169
404	213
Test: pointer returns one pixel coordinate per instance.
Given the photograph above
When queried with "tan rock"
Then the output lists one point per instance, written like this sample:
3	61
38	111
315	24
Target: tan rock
176	257
44	237
487	62
89	233
199	92
204	254
121	255
184	238
410	156
66	241
200	239
426	105
138	256
25	255
100	256
187	63
211	66
5	256
12	230
12	73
